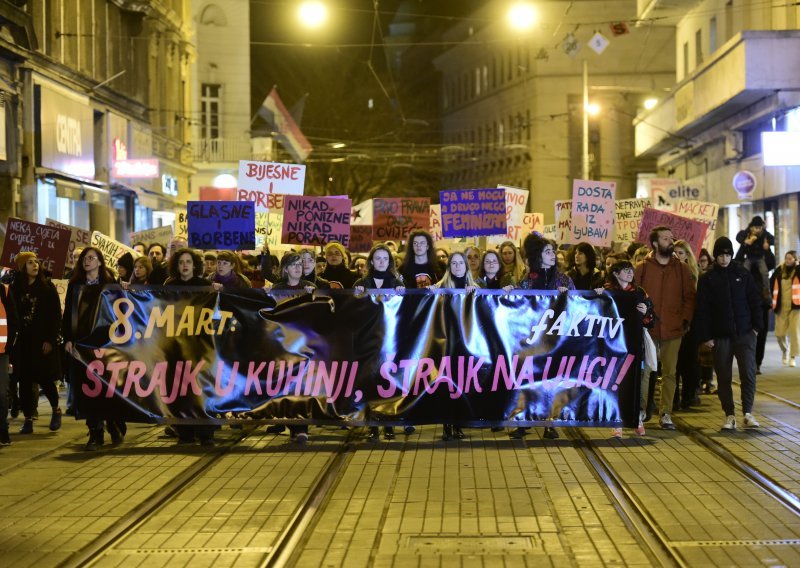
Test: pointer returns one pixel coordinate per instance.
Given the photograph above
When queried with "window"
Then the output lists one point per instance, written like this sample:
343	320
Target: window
210	110
685	60
478	81
698	48
712	35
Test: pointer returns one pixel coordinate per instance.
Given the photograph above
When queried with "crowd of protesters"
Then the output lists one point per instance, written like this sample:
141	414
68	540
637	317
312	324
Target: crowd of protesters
699	313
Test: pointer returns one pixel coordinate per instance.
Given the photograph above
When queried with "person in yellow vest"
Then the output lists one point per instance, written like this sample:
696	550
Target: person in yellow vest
34	320
5	439
785	286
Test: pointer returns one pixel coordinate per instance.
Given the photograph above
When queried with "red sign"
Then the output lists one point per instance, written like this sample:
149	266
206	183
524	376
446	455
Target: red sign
360	238
51	244
693	232
394	218
217	194
315	220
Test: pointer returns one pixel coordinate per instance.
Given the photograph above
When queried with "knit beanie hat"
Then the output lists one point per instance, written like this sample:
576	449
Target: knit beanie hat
338	246
22	258
126	261
723	245
757	221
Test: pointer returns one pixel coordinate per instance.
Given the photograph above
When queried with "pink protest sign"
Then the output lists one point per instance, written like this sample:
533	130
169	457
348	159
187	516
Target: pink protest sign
315	220
693	232
593	211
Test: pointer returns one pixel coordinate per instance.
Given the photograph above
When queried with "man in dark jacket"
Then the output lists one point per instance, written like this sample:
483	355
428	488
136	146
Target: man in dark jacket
728	319
755	250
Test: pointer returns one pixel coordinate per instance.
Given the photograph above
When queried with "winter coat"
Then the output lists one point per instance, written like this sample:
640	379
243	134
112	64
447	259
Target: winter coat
34	321
369	283
550	279
672	290
590	281
728	304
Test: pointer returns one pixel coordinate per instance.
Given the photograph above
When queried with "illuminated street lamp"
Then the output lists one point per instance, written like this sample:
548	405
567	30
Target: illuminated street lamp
593	109
312	14
650	104
521	16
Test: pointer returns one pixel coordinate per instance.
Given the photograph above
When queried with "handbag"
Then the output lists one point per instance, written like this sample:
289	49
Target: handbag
650	351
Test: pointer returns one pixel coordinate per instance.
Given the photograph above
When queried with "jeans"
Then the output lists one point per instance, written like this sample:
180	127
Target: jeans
744	349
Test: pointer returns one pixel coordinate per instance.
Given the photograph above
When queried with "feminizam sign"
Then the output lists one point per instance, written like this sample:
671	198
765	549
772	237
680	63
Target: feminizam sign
473	212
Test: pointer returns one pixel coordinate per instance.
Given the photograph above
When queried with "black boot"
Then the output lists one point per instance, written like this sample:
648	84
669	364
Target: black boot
458	434
447	432
96	439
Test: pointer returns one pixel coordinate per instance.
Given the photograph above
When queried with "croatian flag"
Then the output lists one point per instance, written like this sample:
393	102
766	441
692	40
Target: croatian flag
274	112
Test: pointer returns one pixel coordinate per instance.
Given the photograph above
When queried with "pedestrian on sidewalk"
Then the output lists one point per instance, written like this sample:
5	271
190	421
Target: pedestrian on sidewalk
728	319
33	322
785	286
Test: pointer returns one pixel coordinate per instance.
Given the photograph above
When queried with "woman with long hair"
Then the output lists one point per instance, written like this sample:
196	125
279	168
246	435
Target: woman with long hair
513	264
35	308
584	273
186	269
228	275
688	367
456	277
142	267
493	276
620	278
381	274
309	260
336	271
473	255
88	278
540	254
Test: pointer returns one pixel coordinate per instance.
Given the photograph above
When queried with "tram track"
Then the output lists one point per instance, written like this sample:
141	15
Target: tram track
277	554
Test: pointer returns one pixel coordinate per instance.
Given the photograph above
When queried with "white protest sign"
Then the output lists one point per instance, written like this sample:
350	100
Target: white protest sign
259	180
628	214
516	204
563	209
160	235
111	249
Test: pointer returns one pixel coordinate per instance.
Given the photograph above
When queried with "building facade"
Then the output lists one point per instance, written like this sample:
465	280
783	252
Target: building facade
736	78
87	84
512	102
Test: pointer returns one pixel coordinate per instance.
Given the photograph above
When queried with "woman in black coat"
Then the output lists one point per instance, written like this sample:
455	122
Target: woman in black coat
85	286
33	324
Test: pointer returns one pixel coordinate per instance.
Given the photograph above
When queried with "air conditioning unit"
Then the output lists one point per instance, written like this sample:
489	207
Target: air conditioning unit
734	145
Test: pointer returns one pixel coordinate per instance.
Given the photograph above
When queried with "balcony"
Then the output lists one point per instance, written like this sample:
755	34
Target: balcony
751	66
215	150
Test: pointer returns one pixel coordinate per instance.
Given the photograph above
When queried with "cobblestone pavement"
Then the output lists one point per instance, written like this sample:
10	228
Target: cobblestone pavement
259	499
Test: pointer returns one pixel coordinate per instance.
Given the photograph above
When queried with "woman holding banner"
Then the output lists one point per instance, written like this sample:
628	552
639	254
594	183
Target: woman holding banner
310	270
512	261
34	354
544	275
336	271
381	274
87	282
420	266
456	277
493	276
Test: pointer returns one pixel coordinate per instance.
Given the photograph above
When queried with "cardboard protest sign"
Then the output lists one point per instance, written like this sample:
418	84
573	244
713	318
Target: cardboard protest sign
693	232
262	229
226	225
593	211
532	222
50	244
628	213
473	212
110	248
160	235
703	211
436	222
61	288
516	204
360	238
181	225
316	220
550	232
80	238
563	209
394	218
258	180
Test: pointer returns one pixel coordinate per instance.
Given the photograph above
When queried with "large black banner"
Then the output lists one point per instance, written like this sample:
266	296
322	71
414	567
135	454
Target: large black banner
528	358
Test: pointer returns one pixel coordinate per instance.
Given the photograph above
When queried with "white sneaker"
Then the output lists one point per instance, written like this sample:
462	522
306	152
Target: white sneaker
750	421
785	359
730	422
792	362
666	422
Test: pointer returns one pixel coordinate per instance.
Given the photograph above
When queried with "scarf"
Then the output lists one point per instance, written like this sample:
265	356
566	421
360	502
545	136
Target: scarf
381	274
226	281
460	282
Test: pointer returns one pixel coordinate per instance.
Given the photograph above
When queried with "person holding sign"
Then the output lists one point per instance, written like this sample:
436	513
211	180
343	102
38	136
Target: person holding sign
544	275
87	280
35	309
381	274
419	268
